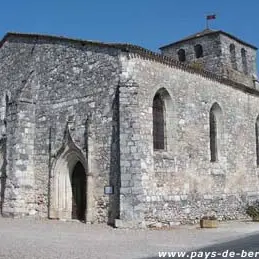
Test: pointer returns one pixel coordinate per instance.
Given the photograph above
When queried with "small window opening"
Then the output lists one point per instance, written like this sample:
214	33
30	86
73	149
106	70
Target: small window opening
244	60
181	55
232	50
198	51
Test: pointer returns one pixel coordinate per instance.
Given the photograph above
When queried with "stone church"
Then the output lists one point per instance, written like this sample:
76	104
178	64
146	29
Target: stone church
115	133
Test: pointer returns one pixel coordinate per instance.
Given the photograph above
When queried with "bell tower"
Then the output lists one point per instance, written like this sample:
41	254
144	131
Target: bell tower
217	52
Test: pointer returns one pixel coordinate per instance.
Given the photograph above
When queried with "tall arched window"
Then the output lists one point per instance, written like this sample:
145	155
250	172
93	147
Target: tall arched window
6	104
215	125
232	50
181	55
244	60
257	140
158	122
3	114
198	51
6	112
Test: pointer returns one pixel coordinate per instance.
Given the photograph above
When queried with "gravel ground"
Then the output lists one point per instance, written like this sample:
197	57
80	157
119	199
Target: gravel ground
37	239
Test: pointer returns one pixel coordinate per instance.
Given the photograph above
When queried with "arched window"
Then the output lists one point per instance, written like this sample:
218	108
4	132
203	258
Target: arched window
181	55
244	60
6	111
158	122
198	51
215	121
6	104
232	50
257	140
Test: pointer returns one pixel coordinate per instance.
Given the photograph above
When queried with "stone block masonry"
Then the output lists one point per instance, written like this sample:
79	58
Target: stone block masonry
78	116
180	183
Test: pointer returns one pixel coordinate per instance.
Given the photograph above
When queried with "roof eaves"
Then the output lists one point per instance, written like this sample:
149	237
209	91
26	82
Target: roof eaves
194	36
199	35
73	40
238	40
147	54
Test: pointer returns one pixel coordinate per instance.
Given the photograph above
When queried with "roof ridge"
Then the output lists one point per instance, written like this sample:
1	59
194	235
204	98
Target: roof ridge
207	32
148	54
60	37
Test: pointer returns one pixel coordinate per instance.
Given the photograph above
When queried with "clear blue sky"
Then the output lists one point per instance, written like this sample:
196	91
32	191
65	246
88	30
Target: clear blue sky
149	23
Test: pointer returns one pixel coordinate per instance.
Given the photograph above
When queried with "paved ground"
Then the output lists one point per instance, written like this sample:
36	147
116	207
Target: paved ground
37	239
245	247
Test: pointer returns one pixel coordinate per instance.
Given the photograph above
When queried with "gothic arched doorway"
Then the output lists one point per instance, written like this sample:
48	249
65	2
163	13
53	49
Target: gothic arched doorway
70	187
78	183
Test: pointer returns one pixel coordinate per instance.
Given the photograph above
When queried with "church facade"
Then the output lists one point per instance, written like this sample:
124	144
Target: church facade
116	133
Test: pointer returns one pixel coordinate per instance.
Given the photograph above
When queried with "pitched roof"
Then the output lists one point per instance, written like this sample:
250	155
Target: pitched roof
121	46
208	32
134	50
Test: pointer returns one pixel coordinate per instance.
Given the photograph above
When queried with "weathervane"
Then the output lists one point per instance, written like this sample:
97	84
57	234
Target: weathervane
209	17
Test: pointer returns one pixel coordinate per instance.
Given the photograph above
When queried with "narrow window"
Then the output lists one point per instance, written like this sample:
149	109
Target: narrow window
158	123
232	50
198	51
181	55
213	138
6	110
244	60
257	140
215	115
6	104
3	115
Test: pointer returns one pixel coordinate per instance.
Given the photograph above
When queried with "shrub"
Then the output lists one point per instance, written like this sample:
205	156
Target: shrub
197	65
253	210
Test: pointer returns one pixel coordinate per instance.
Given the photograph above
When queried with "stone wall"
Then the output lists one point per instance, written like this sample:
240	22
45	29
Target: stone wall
97	99
211	52
216	56
17	119
66	83
238	74
180	183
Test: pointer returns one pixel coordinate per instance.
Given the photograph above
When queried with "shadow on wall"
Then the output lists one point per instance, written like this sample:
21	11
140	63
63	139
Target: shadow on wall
2	170
114	177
